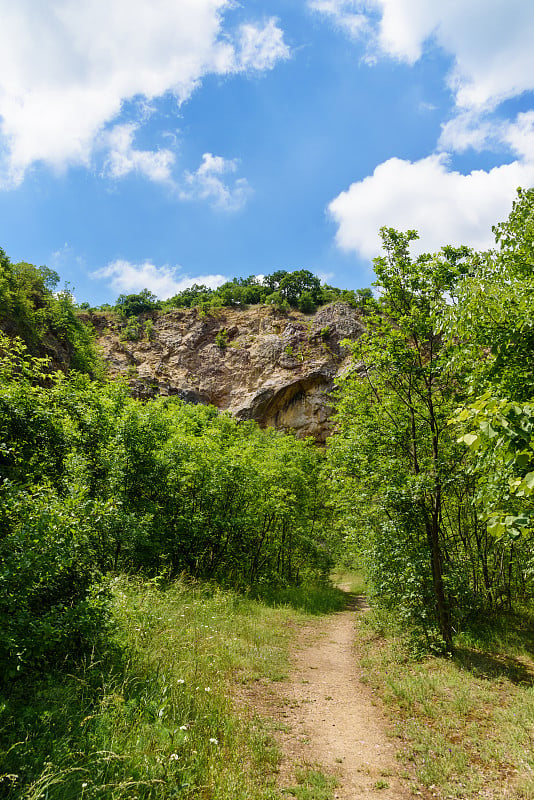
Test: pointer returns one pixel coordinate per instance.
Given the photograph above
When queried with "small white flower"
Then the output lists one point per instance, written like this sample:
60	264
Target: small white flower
183	727
214	741
84	785
174	757
207	688
180	680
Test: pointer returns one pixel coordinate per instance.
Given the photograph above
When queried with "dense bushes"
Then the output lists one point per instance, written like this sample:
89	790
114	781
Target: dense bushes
93	481
212	497
50	602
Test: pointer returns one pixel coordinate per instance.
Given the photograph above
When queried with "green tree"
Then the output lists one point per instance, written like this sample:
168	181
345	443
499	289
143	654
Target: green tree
190	297
394	438
306	303
50	602
492	324
293	284
31	309
131	305
492	319
274	279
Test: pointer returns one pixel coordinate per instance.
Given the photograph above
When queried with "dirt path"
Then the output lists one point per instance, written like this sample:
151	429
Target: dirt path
328	719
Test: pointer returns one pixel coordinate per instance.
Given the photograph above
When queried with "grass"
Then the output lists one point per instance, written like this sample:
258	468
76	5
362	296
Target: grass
312	784
314	598
153	716
467	722
352	580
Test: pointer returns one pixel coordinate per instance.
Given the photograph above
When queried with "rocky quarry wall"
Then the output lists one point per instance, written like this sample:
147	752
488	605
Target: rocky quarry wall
259	363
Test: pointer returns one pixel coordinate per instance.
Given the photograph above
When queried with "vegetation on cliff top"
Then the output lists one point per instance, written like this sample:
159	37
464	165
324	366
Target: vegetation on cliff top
298	289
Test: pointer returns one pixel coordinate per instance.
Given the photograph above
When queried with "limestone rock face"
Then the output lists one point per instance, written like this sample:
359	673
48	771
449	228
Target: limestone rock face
257	363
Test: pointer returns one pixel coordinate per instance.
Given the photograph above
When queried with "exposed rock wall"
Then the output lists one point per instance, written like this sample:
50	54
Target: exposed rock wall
258	363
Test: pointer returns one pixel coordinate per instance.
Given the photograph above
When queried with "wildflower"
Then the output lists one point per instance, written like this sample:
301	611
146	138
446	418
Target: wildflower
183	727
180	680
174	757
207	689
84	785
214	741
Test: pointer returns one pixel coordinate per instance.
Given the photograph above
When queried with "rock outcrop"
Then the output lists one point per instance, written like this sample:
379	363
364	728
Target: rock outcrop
257	363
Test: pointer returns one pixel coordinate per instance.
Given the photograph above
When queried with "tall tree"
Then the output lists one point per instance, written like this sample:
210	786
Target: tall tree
392	416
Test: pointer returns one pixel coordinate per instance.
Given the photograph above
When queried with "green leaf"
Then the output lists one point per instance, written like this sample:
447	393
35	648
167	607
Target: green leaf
496	528
464	414
522	459
470	439
488	430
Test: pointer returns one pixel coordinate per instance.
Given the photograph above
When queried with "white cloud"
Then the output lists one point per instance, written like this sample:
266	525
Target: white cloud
345	14
489	40
445	207
124	158
208	183
480	132
519	135
466	130
64	258
259	48
126	278
325	277
67	68
211	182
490	43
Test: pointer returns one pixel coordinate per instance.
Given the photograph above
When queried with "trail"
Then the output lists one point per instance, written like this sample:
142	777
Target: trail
329	719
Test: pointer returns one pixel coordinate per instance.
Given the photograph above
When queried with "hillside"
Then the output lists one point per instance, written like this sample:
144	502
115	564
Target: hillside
261	363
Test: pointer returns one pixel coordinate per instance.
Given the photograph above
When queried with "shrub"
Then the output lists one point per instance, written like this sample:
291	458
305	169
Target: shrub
149	329
221	339
132	330
50	605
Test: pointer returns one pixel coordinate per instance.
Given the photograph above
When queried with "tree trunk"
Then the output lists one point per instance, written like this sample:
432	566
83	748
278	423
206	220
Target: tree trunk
442	605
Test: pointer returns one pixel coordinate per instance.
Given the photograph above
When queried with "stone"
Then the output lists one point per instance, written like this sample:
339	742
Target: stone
277	368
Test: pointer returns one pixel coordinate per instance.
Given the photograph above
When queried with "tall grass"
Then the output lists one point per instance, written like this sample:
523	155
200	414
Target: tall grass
468	721
153	716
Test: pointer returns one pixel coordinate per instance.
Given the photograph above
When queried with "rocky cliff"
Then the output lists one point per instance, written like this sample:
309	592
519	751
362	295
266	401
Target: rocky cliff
257	363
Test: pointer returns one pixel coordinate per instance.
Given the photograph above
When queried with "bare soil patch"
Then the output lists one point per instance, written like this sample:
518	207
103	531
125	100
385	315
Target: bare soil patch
328	719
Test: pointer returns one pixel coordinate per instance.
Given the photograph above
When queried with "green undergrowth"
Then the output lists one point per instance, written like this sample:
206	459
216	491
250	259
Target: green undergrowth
466	722
315	598
154	716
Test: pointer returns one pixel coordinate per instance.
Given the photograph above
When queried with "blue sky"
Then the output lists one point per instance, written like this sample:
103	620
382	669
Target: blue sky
157	143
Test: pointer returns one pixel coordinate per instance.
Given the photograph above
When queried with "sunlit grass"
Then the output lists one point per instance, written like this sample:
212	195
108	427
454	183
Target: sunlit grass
467	722
312	784
155	716
351	580
309	598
